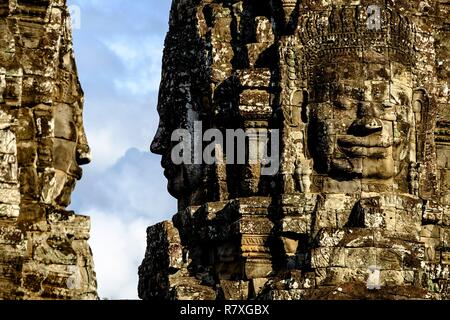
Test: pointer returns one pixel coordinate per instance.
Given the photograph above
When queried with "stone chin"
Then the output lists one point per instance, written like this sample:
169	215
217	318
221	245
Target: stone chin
175	181
182	180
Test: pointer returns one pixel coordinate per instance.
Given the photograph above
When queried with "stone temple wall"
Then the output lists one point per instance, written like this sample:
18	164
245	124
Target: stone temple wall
44	250
360	207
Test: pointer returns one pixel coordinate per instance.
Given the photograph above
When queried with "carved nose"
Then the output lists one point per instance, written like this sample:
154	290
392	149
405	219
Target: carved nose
158	146
373	124
367	122
84	155
366	126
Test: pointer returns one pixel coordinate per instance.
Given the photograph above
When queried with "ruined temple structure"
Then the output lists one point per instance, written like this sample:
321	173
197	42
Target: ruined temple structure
44	253
359	208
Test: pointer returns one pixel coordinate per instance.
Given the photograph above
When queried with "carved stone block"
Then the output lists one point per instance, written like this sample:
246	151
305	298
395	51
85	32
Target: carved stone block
359	206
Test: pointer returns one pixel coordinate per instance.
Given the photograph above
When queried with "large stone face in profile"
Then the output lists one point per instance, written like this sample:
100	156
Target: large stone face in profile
359	207
44	250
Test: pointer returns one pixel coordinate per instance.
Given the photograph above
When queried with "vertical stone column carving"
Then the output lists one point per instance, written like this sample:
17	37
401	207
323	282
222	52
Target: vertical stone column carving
10	195
44	250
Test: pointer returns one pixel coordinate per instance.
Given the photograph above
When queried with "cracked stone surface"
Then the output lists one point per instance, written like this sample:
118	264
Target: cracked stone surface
44	250
360	208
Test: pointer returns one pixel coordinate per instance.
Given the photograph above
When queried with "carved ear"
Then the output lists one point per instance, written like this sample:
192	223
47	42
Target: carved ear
305	103
420	101
421	106
299	100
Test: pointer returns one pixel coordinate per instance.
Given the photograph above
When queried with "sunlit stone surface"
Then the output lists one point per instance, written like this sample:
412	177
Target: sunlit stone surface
44	251
360	206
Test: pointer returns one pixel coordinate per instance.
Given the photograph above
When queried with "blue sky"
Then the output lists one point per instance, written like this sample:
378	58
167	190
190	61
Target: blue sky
118	48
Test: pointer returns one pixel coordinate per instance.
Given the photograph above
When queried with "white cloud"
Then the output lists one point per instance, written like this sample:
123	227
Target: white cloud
118	246
118	52
122	202
134	186
101	141
142	60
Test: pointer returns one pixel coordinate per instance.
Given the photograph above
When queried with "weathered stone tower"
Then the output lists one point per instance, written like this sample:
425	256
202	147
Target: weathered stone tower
360	205
44	251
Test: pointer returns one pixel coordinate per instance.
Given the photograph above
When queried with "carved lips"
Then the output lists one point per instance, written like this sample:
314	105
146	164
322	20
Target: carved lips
373	146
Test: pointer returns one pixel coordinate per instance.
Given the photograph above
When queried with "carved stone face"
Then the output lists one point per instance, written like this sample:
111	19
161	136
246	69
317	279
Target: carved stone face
361	119
70	148
62	149
182	179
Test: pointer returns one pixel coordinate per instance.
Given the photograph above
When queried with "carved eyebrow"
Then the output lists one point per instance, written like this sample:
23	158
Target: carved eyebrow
353	93
345	103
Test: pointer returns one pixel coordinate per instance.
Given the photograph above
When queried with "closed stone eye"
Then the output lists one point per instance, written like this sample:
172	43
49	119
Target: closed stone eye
343	103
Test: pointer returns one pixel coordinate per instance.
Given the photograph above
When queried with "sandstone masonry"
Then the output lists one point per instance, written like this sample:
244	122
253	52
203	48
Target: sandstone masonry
360	208
44	251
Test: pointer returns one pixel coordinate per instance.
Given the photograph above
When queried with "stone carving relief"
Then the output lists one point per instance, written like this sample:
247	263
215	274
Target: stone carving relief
360	200
43	246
